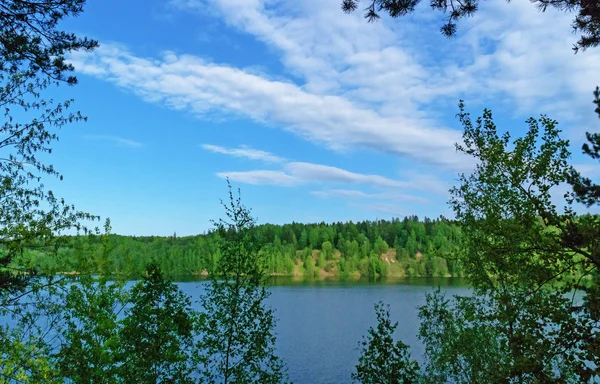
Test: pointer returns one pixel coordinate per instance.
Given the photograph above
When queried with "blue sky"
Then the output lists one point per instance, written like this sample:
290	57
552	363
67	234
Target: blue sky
316	115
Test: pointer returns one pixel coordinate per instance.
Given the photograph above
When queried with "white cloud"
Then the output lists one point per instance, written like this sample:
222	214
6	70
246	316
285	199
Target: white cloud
189	83
428	182
261	177
380	86
356	194
116	140
296	173
327	174
244	151
349	193
504	50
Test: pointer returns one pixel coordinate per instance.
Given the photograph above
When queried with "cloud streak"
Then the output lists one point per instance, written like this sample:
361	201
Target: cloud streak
298	173
245	152
506	50
367	86
356	194
327	174
347	85
262	177
116	141
189	83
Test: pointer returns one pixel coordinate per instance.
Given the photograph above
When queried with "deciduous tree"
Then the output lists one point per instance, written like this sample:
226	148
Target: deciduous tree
236	326
382	360
32	59
157	333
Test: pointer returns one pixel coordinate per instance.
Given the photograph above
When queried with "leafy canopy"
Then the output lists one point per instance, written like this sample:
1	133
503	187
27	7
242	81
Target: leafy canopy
534	313
32	58
382	360
236	327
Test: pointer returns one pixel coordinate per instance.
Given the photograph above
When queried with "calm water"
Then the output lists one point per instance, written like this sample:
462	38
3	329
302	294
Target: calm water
320	323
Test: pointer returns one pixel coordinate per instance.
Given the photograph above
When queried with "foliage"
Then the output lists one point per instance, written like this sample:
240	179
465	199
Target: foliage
437	240
157	334
382	361
530	319
39	321
586	22
32	58
512	225
26	339
95	330
489	339
90	343
236	326
458	348
586	191
115	335
526	258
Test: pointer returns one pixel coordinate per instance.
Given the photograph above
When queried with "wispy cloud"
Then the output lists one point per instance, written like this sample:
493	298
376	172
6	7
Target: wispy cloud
365	85
116	141
296	173
504	50
349	193
491	55
349	85
356	194
244	151
261	177
327	174
189	83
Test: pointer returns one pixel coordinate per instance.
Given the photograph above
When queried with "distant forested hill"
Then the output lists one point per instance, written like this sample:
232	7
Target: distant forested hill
407	247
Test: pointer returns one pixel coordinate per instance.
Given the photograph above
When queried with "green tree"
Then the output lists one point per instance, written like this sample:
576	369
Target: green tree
586	191
156	336
313	238
52	314
530	318
412	247
303	243
309	264
460	345
322	259
90	342
32	59
236	326
25	347
520	254
327	248
380	246
383	361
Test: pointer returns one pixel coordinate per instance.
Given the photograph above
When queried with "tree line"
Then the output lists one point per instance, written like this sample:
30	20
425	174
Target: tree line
367	249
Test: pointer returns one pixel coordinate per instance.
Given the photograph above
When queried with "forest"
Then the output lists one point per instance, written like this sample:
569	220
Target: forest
366	249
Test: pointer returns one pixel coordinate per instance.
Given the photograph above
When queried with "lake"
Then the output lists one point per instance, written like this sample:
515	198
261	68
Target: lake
321	322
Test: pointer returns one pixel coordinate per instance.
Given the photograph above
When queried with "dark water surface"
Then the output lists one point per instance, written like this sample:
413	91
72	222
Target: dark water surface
321	322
